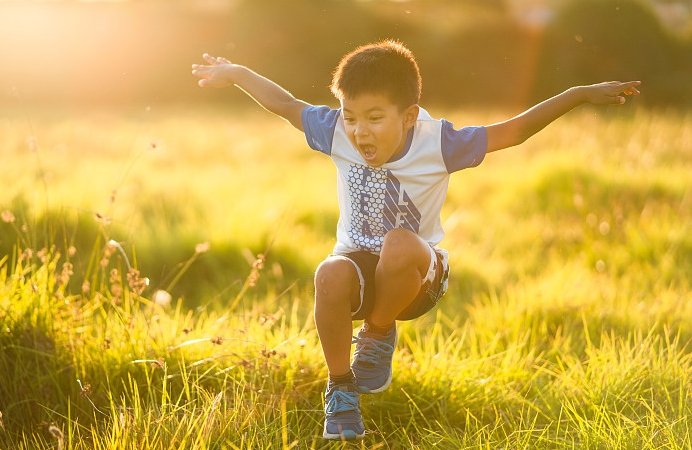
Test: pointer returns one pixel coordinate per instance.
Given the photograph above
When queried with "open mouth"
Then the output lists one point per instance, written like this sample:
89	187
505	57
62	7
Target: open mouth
369	151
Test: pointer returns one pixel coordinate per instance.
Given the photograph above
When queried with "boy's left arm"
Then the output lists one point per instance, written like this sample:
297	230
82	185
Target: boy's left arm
518	129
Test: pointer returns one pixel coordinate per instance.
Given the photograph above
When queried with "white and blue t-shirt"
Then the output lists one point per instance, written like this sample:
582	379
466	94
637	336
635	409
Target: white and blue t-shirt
408	191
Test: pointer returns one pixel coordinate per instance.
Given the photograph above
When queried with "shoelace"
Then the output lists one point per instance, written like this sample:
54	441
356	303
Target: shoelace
341	401
369	351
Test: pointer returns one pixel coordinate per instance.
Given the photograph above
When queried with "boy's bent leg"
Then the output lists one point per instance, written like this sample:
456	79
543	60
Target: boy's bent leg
337	293
404	262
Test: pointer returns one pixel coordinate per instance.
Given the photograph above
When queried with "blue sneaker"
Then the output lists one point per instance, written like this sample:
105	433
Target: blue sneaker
343	421
372	360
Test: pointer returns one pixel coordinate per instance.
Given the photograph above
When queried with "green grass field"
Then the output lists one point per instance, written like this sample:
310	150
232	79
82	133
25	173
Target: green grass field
568	324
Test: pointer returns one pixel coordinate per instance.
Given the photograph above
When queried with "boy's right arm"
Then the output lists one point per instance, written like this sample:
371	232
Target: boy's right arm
220	72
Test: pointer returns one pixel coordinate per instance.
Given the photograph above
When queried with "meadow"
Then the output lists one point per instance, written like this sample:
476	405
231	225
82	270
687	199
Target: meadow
155	287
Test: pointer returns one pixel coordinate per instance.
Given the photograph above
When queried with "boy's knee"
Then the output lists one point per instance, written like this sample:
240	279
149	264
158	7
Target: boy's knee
335	277
400	238
403	248
399	243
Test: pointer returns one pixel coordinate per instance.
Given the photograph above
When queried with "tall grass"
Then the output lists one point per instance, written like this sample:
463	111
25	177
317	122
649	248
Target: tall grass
567	325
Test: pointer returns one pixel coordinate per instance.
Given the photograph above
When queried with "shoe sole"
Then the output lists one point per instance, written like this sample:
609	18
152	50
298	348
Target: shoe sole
366	390
347	435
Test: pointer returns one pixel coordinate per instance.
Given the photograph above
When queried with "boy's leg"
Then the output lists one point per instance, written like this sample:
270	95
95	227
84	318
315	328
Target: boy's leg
404	262
337	293
403	265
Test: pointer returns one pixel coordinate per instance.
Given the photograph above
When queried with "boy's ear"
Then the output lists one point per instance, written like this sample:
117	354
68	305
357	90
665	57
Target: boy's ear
410	116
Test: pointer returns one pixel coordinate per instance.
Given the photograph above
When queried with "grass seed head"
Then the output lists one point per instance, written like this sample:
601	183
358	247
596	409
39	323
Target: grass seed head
7	216
159	363
202	247
64	276
114	276
42	255
116	291
162	298
136	282
86	390
257	266
57	434
109	249
27	254
102	219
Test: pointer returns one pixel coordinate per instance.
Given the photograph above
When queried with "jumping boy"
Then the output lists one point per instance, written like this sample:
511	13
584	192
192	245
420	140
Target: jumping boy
393	164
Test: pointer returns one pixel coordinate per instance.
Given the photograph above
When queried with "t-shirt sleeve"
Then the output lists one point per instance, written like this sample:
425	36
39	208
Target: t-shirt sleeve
319	123
463	148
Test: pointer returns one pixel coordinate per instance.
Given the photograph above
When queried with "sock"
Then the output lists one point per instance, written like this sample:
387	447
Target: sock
369	327
346	378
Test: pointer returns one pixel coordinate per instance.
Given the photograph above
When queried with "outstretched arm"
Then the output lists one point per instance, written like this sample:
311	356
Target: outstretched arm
518	129
220	72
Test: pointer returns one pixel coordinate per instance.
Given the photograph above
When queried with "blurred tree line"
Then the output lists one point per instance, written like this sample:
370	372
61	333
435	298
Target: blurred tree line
470	51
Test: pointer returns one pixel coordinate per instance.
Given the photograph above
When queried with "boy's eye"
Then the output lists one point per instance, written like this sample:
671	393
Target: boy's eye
349	119
376	118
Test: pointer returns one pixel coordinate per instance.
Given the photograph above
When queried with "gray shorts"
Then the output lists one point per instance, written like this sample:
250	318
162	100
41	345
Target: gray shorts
434	285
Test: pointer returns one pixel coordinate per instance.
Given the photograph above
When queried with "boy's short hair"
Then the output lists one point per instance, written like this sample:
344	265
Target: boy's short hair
385	67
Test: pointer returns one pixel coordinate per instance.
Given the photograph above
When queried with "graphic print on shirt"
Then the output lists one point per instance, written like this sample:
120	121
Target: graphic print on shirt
379	204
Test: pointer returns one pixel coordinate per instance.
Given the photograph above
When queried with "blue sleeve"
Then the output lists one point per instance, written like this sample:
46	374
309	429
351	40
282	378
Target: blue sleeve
319	123
463	148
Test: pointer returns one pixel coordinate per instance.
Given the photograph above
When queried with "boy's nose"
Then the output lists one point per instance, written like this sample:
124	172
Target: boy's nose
361	130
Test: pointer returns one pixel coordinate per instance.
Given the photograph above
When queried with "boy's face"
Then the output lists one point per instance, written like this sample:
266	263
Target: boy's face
376	126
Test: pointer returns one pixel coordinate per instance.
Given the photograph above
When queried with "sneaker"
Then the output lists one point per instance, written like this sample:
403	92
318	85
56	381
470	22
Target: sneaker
372	360
343	421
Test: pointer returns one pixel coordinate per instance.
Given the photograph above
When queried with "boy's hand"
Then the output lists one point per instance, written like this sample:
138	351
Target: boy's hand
610	93
217	74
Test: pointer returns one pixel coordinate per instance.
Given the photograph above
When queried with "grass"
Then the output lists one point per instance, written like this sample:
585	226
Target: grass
567	324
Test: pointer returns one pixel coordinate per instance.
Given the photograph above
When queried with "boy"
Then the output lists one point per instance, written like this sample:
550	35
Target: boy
393	164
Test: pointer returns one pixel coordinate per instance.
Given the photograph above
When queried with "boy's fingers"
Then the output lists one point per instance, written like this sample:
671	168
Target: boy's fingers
618	90
630	88
198	70
211	59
